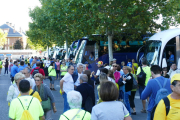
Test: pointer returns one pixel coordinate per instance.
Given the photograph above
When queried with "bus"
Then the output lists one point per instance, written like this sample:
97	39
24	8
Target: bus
157	48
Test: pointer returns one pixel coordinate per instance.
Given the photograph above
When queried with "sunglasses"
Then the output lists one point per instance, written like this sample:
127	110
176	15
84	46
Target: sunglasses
114	66
37	80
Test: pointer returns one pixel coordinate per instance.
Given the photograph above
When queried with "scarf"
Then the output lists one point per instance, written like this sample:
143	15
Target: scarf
41	92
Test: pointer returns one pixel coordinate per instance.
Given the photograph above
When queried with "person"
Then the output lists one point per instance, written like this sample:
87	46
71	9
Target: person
14	70
0	66
164	72
86	90
33	64
63	69
109	109
46	64
90	81
10	65
111	76
31	91
172	70
127	80
152	88
30	61
91	57
77	73
13	91
134	67
147	71
171	58
114	61
129	63
122	64
100	66
52	75
40	70
174	102
119	70
74	99
25	102
67	85
58	69
45	94
27	74
21	67
116	73
6	67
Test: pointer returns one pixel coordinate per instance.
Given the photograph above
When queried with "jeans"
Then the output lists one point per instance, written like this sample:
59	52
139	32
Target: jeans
127	101
6	69
52	79
66	104
48	115
148	115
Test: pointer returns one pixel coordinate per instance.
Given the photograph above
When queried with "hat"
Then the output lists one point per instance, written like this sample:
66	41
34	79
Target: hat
100	62
114	59
175	77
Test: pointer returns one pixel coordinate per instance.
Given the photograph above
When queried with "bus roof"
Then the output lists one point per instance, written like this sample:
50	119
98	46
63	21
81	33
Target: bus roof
166	35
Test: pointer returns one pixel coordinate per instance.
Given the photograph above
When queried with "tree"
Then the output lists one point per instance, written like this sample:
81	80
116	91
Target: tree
18	44
3	38
34	46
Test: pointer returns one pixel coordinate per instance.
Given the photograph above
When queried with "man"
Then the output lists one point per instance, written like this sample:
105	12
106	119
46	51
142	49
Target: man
114	61
147	70
100	66
38	64
171	58
152	88
30	61
129	63
33	65
27	74
21	67
134	66
77	73
14	70
46	64
174	102
86	90
67	85
74	99
25	102
172	70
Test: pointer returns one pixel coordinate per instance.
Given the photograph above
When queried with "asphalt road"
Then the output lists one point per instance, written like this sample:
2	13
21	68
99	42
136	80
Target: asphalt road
4	86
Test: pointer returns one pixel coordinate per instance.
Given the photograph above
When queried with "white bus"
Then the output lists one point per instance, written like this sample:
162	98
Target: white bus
157	47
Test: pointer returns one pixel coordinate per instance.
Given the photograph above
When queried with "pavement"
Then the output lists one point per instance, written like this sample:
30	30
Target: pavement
5	83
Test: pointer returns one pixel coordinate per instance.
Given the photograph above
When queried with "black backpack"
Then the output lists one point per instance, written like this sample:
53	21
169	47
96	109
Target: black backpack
35	71
141	77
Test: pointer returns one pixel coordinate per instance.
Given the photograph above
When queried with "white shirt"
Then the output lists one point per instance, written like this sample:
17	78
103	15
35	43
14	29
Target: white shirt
13	92
112	80
32	81
47	63
68	84
98	72
77	83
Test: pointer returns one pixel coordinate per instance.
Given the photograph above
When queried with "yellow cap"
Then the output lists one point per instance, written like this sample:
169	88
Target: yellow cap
175	77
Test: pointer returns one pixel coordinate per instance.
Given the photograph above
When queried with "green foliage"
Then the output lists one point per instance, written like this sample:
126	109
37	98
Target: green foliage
34	46
3	38
18	44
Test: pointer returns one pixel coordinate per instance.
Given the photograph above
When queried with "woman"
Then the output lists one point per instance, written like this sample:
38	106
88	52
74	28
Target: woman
58	69
116	73
90	81
63	69
52	75
164	73
6	67
127	80
13	91
91	57
46	95
134	67
10	65
111	76
109	109
0	66
122	64
119	70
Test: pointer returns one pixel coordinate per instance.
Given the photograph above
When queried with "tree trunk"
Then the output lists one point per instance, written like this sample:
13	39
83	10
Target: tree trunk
66	50
48	51
110	48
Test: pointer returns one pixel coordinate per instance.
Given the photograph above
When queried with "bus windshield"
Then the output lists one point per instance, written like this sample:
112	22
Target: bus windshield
152	52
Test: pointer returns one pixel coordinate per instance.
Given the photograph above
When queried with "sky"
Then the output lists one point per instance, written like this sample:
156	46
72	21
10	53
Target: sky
17	12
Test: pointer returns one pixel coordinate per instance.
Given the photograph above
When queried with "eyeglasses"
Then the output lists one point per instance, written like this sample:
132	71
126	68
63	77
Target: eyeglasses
37	80
114	66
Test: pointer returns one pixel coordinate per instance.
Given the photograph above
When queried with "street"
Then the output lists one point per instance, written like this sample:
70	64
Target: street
5	83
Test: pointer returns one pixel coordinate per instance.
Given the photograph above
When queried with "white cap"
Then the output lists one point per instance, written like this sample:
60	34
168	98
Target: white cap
114	59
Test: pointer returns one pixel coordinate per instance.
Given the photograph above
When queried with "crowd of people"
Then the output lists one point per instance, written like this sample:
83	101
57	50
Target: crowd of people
114	99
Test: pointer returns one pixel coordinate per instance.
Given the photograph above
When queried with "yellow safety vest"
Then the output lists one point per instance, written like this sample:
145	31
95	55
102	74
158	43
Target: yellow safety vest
63	68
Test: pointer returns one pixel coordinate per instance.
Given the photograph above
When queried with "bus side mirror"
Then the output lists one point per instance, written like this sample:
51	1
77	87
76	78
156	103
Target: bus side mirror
164	63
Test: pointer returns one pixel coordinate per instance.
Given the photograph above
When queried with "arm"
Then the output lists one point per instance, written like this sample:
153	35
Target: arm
147	91
10	93
42	118
93	115
61	86
128	118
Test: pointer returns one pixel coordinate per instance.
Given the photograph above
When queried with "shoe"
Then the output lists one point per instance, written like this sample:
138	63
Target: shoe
53	89
133	113
143	111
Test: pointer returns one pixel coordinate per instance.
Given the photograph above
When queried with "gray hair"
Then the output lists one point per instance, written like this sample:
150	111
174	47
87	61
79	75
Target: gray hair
74	99
79	64
84	78
29	71
30	81
103	77
19	76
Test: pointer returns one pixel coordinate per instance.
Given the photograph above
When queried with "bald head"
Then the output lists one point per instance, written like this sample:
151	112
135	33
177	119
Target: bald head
83	78
38	64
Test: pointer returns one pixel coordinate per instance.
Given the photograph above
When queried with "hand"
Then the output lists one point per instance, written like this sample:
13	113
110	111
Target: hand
54	109
93	73
124	79
62	91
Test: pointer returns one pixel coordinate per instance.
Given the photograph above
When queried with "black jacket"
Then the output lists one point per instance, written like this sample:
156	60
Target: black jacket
86	90
129	83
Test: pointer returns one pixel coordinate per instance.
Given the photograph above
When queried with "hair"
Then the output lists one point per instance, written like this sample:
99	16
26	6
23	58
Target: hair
58	60
111	74
122	62
104	70
22	63
30	81
108	91
29	71
156	69
84	78
19	76
164	69
38	63
15	62
92	53
129	69
24	86
74	98
144	61
118	67
172	63
79	64
88	73
52	63
129	60
103	77
105	64
39	75
111	62
174	83
70	66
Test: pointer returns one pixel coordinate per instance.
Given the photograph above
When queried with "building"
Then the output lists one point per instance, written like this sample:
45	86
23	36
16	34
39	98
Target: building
13	36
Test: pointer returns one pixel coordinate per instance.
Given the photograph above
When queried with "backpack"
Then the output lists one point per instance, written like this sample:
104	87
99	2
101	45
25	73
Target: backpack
26	115
161	93
35	71
135	84
141	77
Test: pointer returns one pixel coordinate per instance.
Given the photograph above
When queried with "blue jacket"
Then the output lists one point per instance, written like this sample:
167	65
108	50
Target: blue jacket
75	76
151	90
14	70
